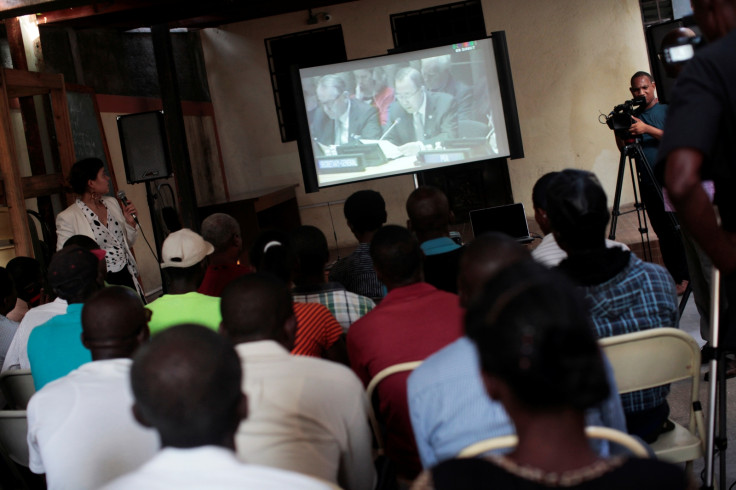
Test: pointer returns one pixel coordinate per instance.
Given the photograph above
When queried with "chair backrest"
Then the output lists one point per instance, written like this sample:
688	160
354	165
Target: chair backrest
373	384
17	387
13	435
623	439
653	357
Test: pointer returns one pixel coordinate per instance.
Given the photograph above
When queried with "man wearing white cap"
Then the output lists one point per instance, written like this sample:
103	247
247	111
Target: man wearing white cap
183	254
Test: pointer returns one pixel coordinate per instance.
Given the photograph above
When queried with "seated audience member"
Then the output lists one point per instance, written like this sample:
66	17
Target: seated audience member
541	361
413	321
318	334
28	277
372	87
624	294
548	252
29	283
449	407
342	120
438	78
223	232
7	303
429	219
184	253
186	384
422	118
310	283
306	415
81	431
55	348
365	212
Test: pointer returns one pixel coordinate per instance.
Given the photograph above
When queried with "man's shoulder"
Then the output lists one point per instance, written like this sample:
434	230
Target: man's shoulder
440	101
324	376
454	361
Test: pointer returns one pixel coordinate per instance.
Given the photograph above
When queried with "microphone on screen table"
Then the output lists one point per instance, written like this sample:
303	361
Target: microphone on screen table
124	199
390	128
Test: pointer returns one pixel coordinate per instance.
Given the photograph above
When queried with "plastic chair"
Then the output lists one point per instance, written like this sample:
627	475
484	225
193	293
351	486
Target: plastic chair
17	387
655	357
13	433
634	445
373	384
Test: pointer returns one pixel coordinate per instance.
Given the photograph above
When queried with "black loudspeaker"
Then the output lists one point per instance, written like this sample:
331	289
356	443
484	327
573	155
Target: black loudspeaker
145	148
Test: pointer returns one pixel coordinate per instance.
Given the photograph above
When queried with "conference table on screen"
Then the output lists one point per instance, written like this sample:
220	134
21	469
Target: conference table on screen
398	165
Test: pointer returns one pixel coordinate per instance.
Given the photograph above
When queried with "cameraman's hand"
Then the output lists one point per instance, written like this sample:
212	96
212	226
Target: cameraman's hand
638	127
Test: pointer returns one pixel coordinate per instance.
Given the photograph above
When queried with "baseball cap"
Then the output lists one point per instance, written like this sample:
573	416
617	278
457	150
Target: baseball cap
184	248
72	267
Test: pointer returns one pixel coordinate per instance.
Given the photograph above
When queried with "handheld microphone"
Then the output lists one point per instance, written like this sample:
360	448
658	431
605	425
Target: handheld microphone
390	128
124	198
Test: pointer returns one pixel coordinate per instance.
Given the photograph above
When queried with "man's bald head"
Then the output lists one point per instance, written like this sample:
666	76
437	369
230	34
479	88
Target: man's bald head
114	323
483	258
187	385
257	307
429	213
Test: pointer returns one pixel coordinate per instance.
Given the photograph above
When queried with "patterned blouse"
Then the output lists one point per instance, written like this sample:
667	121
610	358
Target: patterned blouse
110	238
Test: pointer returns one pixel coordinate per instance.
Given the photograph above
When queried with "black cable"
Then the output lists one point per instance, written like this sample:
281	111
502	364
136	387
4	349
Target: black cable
149	245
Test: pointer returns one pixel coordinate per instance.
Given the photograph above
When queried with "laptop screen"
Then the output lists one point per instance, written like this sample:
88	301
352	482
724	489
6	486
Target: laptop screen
509	219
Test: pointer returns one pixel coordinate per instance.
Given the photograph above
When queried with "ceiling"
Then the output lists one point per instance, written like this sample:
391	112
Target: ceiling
132	14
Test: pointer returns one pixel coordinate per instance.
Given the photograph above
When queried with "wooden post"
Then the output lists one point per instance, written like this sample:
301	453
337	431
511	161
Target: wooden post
11	178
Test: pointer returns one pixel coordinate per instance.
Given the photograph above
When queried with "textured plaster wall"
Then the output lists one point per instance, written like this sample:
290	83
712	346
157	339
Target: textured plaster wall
570	59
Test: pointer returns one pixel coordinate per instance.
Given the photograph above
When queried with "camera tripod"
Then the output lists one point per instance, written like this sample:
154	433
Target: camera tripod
637	160
633	151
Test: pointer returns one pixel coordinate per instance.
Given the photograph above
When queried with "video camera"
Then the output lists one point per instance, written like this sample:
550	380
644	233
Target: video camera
620	118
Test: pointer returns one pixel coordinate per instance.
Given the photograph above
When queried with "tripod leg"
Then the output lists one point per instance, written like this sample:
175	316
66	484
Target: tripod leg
713	383
640	211
615	212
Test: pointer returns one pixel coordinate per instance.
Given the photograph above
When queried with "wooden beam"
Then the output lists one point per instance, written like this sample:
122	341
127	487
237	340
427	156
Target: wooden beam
11	176
42	81
62	125
42	185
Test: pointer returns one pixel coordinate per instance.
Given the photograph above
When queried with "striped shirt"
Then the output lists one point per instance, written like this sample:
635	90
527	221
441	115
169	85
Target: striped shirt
346	306
316	329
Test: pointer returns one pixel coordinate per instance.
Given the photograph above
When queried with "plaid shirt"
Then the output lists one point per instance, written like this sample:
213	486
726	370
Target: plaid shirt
356	273
640	297
347	307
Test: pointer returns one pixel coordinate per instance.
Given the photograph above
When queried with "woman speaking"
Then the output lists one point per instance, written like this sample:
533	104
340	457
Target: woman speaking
101	218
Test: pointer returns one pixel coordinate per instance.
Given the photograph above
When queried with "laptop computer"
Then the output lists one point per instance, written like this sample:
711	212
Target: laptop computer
509	219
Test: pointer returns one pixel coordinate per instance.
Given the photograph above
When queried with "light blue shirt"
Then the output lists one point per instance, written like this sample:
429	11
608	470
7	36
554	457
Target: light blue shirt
439	245
450	409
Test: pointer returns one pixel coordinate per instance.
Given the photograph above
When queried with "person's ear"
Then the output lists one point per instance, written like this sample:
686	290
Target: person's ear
139	417
494	386
451	218
144	334
290	332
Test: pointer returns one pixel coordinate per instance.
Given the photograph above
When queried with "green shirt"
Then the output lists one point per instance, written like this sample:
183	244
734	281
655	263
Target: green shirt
174	309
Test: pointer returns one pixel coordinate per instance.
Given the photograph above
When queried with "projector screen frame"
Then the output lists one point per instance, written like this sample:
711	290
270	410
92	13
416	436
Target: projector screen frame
510	118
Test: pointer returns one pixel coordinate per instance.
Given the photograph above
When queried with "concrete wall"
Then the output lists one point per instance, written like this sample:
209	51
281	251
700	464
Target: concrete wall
570	60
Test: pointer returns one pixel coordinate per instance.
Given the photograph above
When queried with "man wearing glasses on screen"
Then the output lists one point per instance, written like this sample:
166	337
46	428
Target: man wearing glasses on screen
418	119
342	120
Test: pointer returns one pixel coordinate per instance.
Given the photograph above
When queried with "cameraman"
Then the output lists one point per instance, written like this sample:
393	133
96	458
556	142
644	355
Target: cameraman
648	124
700	144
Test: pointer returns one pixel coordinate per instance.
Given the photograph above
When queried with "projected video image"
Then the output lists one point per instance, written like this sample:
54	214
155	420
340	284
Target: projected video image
405	112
